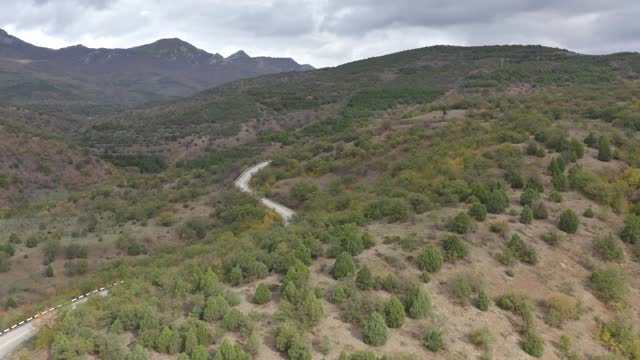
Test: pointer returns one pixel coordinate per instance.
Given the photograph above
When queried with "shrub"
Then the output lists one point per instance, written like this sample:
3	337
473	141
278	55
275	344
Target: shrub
482	301
539	210
430	259
234	320
454	248
10	303
49	271
499	227
556	197
533	345
604	149
262	294
631	231
375	331
216	308
553	238
609	285
425	277
359	355
230	351
591	140
32	242
560	308
5	263
535	182
461	287
608	249
433	341
167	218
526	217
417	302
516	302
394	313
481	338
478	211
528	196
461	223
588	213
568	222
522	251
497	201
364	280
344	266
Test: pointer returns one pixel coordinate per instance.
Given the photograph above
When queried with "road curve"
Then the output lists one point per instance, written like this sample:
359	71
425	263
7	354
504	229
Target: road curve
242	183
12	340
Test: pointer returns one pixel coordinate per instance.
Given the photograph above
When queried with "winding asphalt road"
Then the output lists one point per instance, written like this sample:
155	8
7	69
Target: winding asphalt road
242	183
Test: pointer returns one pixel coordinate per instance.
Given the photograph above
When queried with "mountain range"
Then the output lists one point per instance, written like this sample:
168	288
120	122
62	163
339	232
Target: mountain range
164	69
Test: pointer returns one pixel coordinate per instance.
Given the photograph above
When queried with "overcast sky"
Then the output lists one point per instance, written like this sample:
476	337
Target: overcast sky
326	32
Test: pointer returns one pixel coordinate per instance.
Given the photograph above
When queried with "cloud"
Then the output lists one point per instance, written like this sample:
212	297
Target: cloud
327	32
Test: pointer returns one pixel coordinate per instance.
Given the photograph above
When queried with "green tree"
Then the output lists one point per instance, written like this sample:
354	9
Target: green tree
528	196
417	302
394	313
234	320
164	340
478	211
433	341
375	331
539	210
604	149
533	345
262	294
568	222
138	353
631	230
209	284
461	223
526	217
236	276
454	248
190	341
430	259
576	148
200	353
216	308
364	280
344	266
497	201
230	351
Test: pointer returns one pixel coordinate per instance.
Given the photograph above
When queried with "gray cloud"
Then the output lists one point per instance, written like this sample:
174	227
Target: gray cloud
327	32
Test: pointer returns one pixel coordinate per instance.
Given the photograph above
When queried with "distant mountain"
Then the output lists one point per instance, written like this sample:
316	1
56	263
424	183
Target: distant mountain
165	69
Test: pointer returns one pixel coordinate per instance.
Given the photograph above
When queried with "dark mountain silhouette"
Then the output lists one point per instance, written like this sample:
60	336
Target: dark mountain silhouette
161	70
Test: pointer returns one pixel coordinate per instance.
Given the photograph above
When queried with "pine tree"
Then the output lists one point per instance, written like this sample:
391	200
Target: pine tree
375	331
483	301
364	280
430	259
417	302
216	308
190	341
526	217
604	149
344	266
262	295
394	313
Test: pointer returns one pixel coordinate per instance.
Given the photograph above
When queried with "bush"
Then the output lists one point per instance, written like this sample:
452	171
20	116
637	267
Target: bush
358	355
631	231
5	263
425	277
375	331
556	197
533	345
588	213
454	248
609	285
32	242
417	302
234	320
591	140
461	287
478	211
230	351
526	217
433	341
262	294
522	251
604	149
608	249
560	308
528	196
364	280
167	218
535	182
49	271
481	338
568	222
430	259
394	313
499	227
482	301
461	223
516	302
216	308
553	238
343	266
539	210
497	201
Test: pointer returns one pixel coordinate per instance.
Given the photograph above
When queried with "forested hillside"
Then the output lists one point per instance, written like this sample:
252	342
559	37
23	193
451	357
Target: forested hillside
451	202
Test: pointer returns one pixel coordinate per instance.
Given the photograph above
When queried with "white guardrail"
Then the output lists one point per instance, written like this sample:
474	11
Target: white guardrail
72	301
